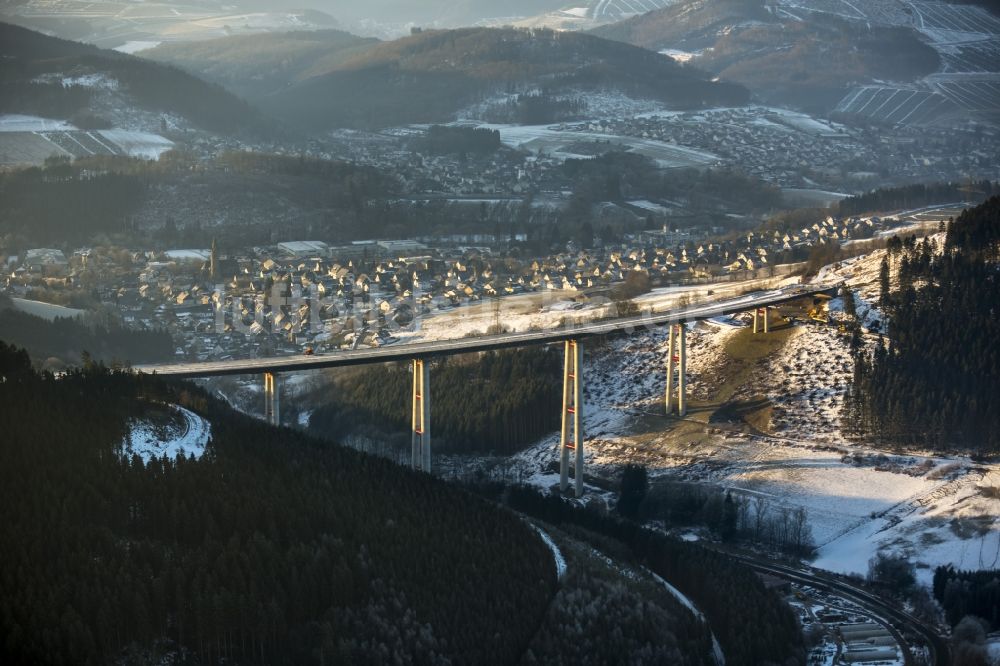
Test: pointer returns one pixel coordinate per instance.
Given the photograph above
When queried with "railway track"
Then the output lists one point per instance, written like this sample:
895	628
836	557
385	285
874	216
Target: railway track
899	623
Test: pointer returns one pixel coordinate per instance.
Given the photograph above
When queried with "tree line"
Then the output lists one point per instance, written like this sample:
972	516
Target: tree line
731	516
915	196
536	108
447	140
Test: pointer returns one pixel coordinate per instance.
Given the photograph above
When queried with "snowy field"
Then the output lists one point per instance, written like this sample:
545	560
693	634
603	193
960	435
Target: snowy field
136	45
619	9
21	123
187	436
967	38
897	105
138	144
558	143
804	122
46	311
978	92
31	140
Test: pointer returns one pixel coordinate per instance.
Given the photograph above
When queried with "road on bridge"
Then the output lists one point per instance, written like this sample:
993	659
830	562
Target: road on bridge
438	348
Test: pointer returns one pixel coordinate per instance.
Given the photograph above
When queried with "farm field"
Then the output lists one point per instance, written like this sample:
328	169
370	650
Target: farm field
615	9
26	140
544	138
894	105
975	92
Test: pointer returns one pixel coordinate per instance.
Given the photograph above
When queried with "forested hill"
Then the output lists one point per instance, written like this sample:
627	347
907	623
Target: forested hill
66	203
257	65
935	380
33	68
439	72
690	25
272	548
906	197
808	62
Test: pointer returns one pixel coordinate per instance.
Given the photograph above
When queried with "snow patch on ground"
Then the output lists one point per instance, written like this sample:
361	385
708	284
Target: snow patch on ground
557	555
189	438
680	56
720	659
134	46
807	386
94	81
138	144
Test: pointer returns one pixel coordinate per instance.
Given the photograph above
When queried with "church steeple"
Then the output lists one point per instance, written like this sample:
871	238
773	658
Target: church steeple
213	264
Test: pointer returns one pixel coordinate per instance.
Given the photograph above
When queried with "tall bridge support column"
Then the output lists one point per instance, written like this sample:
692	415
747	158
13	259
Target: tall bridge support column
671	368
272	398
677	369
571	438
761	320
682	353
421	413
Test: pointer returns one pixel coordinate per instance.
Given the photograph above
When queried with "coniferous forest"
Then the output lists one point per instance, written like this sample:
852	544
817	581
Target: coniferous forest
916	195
272	548
934	379
473	405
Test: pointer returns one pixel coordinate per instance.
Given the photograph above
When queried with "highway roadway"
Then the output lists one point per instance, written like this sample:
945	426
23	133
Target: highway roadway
437	348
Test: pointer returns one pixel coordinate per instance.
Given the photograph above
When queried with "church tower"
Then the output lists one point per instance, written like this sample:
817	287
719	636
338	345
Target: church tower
213	262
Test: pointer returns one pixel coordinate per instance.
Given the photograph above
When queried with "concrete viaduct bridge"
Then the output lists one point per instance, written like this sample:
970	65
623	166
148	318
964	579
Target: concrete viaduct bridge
571	439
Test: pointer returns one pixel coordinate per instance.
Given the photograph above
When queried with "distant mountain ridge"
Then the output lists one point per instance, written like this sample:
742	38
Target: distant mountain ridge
430	75
807	63
56	78
257	65
689	25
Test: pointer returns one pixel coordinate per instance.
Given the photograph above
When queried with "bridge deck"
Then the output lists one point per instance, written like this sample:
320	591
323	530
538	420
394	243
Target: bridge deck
437	348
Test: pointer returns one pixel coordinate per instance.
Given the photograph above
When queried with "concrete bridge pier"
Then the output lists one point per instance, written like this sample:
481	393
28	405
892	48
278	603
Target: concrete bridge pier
421	413
272	398
677	369
571	438
761	320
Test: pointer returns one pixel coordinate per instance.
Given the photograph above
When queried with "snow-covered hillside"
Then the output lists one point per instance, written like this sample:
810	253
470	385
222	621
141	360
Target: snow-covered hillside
186	435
